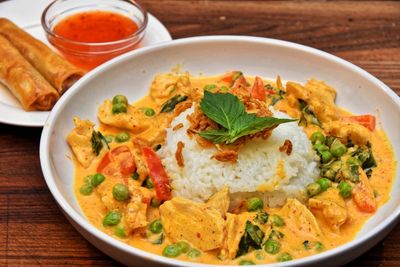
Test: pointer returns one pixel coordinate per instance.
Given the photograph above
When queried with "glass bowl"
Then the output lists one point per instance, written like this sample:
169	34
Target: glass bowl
89	55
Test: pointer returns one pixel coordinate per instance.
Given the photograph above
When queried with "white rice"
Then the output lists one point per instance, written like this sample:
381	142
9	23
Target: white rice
256	170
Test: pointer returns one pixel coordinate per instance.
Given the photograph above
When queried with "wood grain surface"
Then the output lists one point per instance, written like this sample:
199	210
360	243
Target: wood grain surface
34	232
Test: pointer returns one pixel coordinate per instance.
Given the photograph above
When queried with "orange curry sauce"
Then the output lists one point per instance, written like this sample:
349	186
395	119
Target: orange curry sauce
94	27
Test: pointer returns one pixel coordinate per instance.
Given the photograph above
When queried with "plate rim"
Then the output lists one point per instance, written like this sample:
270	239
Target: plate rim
376	233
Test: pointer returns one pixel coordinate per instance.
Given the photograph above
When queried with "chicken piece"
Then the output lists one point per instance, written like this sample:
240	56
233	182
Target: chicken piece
319	96
133	120
220	201
331	206
134	209
300	221
196	223
106	196
355	132
234	230
135	212
80	142
165	86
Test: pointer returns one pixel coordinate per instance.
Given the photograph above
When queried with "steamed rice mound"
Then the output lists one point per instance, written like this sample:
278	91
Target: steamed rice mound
261	168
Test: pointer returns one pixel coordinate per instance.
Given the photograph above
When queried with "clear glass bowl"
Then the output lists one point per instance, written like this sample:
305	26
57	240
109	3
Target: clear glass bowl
89	55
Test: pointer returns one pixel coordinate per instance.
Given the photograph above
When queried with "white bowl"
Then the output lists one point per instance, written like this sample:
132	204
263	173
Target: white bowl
131	74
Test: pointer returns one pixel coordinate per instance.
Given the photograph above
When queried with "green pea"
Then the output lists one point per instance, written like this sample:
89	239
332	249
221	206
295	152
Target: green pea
254	204
193	253
156	226
313	189
183	246
272	246
120	232
209	87
119	108
86	189
97	179
135	176
112	218
109	138
338	149
120	192
326	156
149	112
277	220
284	257
120	99
320	147
324	183
345	189
155	202
122	137
171	251
148	183
317	137
246	262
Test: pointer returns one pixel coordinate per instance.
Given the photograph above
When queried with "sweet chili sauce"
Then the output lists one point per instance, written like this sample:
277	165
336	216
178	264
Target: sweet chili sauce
94	27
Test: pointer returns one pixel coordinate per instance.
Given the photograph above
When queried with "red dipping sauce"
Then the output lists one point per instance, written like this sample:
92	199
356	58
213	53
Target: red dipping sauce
86	37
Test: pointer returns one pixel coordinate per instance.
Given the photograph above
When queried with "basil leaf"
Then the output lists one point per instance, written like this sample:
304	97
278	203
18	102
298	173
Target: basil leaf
169	106
97	144
230	113
251	124
216	135
252	238
224	109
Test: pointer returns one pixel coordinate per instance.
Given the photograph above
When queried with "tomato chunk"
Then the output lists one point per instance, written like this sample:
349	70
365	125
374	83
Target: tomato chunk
368	121
258	91
104	163
157	172
363	195
120	159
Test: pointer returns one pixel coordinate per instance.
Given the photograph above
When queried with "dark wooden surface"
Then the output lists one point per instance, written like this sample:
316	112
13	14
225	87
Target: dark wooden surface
33	231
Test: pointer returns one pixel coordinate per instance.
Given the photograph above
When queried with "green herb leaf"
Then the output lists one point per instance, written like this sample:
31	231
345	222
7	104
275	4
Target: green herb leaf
169	106
224	109
230	113
252	238
97	142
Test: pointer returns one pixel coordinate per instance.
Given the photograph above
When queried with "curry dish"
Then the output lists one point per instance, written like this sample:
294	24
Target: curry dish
125	187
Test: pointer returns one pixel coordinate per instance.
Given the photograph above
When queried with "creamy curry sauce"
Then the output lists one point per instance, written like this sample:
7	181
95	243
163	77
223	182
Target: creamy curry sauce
292	242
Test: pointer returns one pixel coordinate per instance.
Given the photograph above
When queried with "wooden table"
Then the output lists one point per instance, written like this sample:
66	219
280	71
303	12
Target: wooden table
33	231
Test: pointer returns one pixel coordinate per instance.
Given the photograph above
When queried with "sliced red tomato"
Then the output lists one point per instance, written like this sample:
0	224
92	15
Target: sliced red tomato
104	163
234	78
157	172
258	91
239	82
368	121
120	159
227	77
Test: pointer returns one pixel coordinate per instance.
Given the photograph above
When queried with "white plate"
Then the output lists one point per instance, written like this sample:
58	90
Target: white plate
132	73
26	14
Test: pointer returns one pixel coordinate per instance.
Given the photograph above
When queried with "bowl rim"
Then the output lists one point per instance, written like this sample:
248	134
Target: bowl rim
134	35
46	165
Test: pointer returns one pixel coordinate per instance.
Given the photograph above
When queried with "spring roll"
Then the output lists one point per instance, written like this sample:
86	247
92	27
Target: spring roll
32	90
57	70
